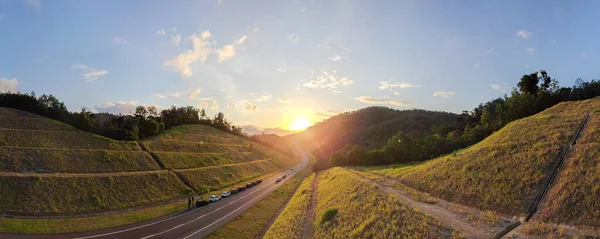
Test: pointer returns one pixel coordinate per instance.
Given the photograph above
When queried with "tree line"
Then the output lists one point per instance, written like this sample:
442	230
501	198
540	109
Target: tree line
145	122
534	93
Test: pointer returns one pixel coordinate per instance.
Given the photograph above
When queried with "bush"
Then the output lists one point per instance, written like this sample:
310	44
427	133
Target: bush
328	215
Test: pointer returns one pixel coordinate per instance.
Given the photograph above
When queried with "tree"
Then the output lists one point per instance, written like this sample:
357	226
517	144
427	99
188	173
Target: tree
529	83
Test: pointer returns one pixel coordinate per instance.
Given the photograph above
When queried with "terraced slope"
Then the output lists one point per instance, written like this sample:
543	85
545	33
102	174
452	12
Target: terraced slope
210	159
573	199
505	171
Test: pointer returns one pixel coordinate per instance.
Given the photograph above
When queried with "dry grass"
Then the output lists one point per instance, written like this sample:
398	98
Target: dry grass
289	223
196	160
364	211
574	198
505	171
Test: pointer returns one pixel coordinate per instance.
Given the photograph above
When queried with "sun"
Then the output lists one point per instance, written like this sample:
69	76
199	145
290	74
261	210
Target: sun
300	123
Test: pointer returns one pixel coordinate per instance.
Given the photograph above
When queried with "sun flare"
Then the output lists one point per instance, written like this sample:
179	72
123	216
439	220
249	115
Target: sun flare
300	123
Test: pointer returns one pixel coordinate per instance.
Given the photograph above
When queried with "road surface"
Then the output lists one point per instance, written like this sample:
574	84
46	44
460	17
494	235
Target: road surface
196	223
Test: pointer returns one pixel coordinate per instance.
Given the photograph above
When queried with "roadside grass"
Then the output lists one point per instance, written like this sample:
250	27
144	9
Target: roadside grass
364	211
40	160
253	221
289	223
504	172
573	199
178	160
66	195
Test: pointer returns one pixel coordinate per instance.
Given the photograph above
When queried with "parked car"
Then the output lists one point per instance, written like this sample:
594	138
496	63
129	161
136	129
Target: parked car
254	183
225	194
241	188
249	185
278	180
214	198
259	181
233	191
284	176
201	203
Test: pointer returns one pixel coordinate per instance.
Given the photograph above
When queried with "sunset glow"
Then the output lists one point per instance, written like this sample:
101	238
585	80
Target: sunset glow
300	124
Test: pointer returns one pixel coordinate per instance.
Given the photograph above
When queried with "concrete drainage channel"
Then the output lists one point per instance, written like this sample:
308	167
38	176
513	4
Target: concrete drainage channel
162	166
542	196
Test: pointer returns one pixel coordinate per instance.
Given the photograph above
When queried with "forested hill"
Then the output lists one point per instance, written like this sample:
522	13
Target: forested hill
372	127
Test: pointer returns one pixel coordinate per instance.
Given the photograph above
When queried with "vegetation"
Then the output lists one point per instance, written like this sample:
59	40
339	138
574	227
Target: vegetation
81	194
573	199
355	208
505	171
534	93
289	223
251	223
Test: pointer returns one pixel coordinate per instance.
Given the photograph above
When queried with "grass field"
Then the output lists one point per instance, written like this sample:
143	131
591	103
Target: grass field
505	171
573	199
351	207
289	223
252	222
179	160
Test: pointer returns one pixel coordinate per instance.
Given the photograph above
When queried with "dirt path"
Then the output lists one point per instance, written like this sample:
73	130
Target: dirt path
308	231
456	217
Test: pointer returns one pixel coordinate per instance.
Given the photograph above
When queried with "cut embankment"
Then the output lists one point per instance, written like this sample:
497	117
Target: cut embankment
351	207
506	171
178	160
84	194
573	199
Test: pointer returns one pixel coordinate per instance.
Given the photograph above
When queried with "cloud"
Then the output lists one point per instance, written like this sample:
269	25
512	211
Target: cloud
293	37
387	85
212	104
490	50
122	107
530	51
375	100
396	93
231	105
194	93
163	31
335	58
281	70
502	87
444	94
173	95
337	91
241	40
120	40
326	113
7	85
303	9
250	107
227	52
205	35
201	50
89	74
524	34
37	4
327	80
262	97
284	100
176	39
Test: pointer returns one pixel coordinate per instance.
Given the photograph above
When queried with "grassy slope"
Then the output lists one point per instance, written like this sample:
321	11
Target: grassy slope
252	222
573	198
289	223
505	171
364	211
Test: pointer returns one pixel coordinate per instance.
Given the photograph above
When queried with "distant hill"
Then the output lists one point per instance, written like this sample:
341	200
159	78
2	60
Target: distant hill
254	130
372	127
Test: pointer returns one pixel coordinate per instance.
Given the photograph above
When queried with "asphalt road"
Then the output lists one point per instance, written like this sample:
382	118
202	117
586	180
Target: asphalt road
195	223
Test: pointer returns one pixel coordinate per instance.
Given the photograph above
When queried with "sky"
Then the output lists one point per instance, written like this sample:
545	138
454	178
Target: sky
267	63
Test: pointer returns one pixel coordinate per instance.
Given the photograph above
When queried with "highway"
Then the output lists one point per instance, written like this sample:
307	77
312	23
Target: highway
195	223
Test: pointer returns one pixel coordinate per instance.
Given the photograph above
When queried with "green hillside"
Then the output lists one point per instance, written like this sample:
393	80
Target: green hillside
505	171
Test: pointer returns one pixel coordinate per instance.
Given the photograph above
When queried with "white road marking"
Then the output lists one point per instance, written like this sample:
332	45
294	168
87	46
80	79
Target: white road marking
164	220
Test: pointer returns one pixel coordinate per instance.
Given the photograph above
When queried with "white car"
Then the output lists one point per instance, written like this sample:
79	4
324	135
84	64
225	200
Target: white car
214	198
225	194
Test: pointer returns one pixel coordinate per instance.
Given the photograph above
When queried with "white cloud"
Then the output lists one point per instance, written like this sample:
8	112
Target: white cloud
396	93
335	58
327	80
173	95
211	103
444	94
530	51
303	9
281	70
284	100
241	40
176	39
387	85
262	97
120	40
37	4
163	31
250	107
89	74
122	107
205	35
201	50
227	52
524	34
7	85
502	87
337	91
231	105
293	37
490	50
375	100
194	93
